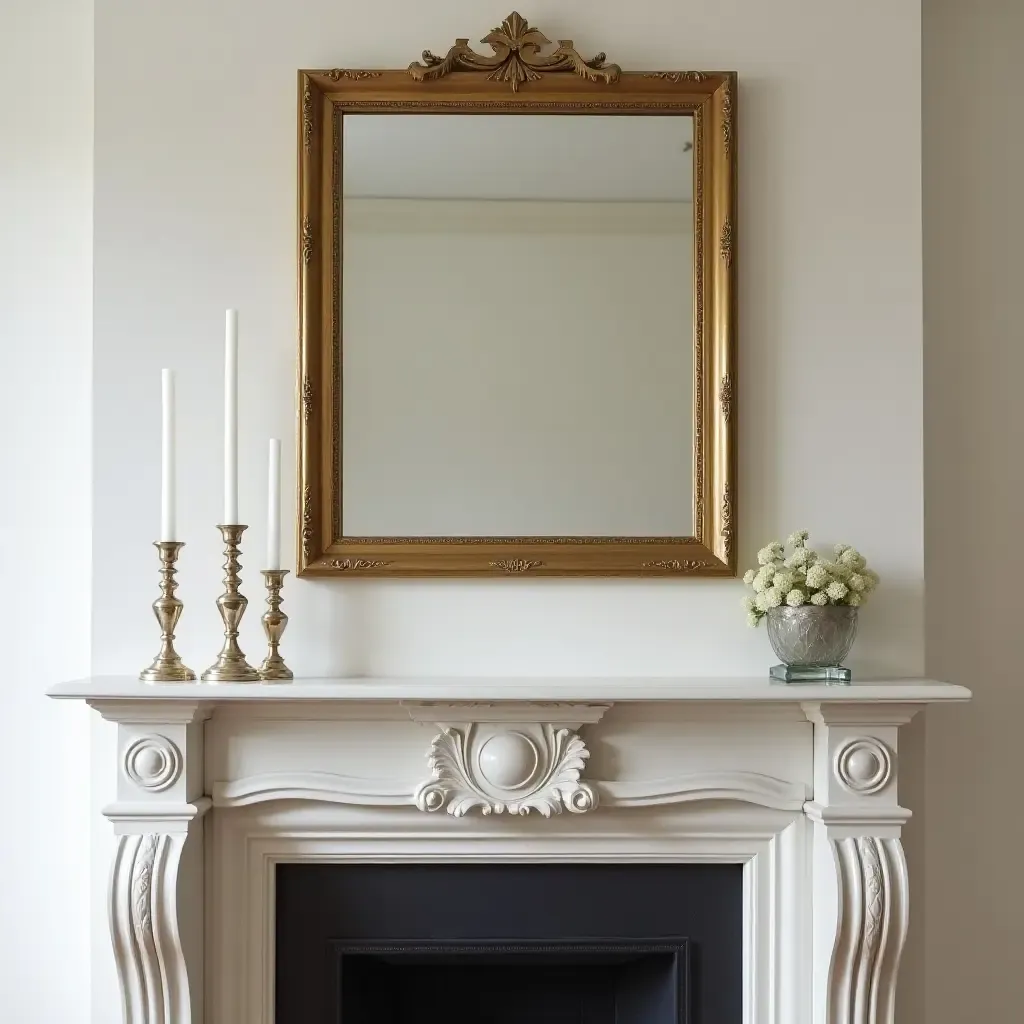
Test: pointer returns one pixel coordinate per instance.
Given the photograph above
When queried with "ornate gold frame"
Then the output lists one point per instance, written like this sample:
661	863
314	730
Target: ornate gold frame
516	78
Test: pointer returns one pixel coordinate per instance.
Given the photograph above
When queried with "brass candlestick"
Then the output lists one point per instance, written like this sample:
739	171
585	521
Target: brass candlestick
167	666
231	666
273	669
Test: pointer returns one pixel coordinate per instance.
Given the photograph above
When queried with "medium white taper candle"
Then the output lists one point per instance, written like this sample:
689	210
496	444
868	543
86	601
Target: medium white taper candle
231	419
274	505
168	490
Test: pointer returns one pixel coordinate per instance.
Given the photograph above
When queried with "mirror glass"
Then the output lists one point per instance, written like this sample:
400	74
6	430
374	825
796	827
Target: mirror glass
517	326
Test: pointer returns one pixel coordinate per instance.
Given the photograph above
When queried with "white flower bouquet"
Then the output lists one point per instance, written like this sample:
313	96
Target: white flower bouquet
802	577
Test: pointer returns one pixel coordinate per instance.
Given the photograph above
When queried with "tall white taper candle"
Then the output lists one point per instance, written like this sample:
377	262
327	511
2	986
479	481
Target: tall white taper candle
231	419
274	505
168	495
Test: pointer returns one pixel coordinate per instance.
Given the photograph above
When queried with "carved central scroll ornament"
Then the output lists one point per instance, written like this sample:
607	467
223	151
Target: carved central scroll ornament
501	769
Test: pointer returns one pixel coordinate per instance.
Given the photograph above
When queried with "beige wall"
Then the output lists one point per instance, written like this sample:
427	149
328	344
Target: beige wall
974	503
45	355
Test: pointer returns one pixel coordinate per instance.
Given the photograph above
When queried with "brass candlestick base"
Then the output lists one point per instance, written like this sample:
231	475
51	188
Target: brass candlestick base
231	666
167	666
273	669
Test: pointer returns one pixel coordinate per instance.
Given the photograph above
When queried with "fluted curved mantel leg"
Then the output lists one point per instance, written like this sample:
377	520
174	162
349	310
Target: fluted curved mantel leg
861	889
149	950
870	930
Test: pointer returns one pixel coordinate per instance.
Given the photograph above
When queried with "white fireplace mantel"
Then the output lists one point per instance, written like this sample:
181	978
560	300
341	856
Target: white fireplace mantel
218	784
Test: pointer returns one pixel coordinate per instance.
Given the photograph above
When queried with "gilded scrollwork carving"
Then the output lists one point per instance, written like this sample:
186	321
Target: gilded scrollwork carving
517	58
725	246
727	117
725	397
675	77
514	565
727	520
678	564
307	118
307	521
337	74
351	564
307	240
307	398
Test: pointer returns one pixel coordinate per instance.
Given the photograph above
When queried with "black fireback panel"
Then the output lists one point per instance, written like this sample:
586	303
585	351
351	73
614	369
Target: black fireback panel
324	907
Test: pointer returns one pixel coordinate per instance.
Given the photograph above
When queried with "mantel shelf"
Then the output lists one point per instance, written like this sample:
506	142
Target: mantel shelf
493	689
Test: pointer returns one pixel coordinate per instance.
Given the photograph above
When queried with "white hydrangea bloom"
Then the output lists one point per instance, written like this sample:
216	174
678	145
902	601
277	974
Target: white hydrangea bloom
760	584
795	598
819	598
873	579
769	553
761	601
818	576
856	582
837	590
840	548
783	581
837	570
855	600
748	577
753	618
852	558
797	539
773	597
748	604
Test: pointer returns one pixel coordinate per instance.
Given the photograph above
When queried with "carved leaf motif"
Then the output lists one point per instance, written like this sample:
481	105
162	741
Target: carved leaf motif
873	893
456	784
142	884
516	59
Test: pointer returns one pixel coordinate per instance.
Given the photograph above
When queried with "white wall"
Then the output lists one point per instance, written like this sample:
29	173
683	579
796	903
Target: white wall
536	379
45	336
195	211
974	475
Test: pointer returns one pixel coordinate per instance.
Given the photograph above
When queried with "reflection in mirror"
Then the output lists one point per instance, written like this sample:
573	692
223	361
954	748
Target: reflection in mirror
517	331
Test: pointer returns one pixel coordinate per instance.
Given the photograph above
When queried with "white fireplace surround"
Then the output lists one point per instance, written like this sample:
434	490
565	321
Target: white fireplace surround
218	784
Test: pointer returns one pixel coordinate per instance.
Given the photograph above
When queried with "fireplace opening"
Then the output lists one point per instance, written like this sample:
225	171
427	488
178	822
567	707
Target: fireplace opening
506	943
493	983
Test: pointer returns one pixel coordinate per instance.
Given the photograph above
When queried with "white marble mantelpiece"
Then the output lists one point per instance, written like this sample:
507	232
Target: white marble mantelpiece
797	783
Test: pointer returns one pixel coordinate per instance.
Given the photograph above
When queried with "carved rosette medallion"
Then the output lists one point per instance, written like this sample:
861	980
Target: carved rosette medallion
515	769
153	763
863	765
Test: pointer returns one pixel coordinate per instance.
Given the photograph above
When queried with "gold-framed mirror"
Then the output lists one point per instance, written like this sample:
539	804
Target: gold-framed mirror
517	327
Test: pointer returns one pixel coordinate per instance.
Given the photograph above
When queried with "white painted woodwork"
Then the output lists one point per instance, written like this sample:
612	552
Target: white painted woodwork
796	783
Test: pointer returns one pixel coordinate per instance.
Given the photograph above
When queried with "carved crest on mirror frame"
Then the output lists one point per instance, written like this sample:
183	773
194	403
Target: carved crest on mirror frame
517	58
